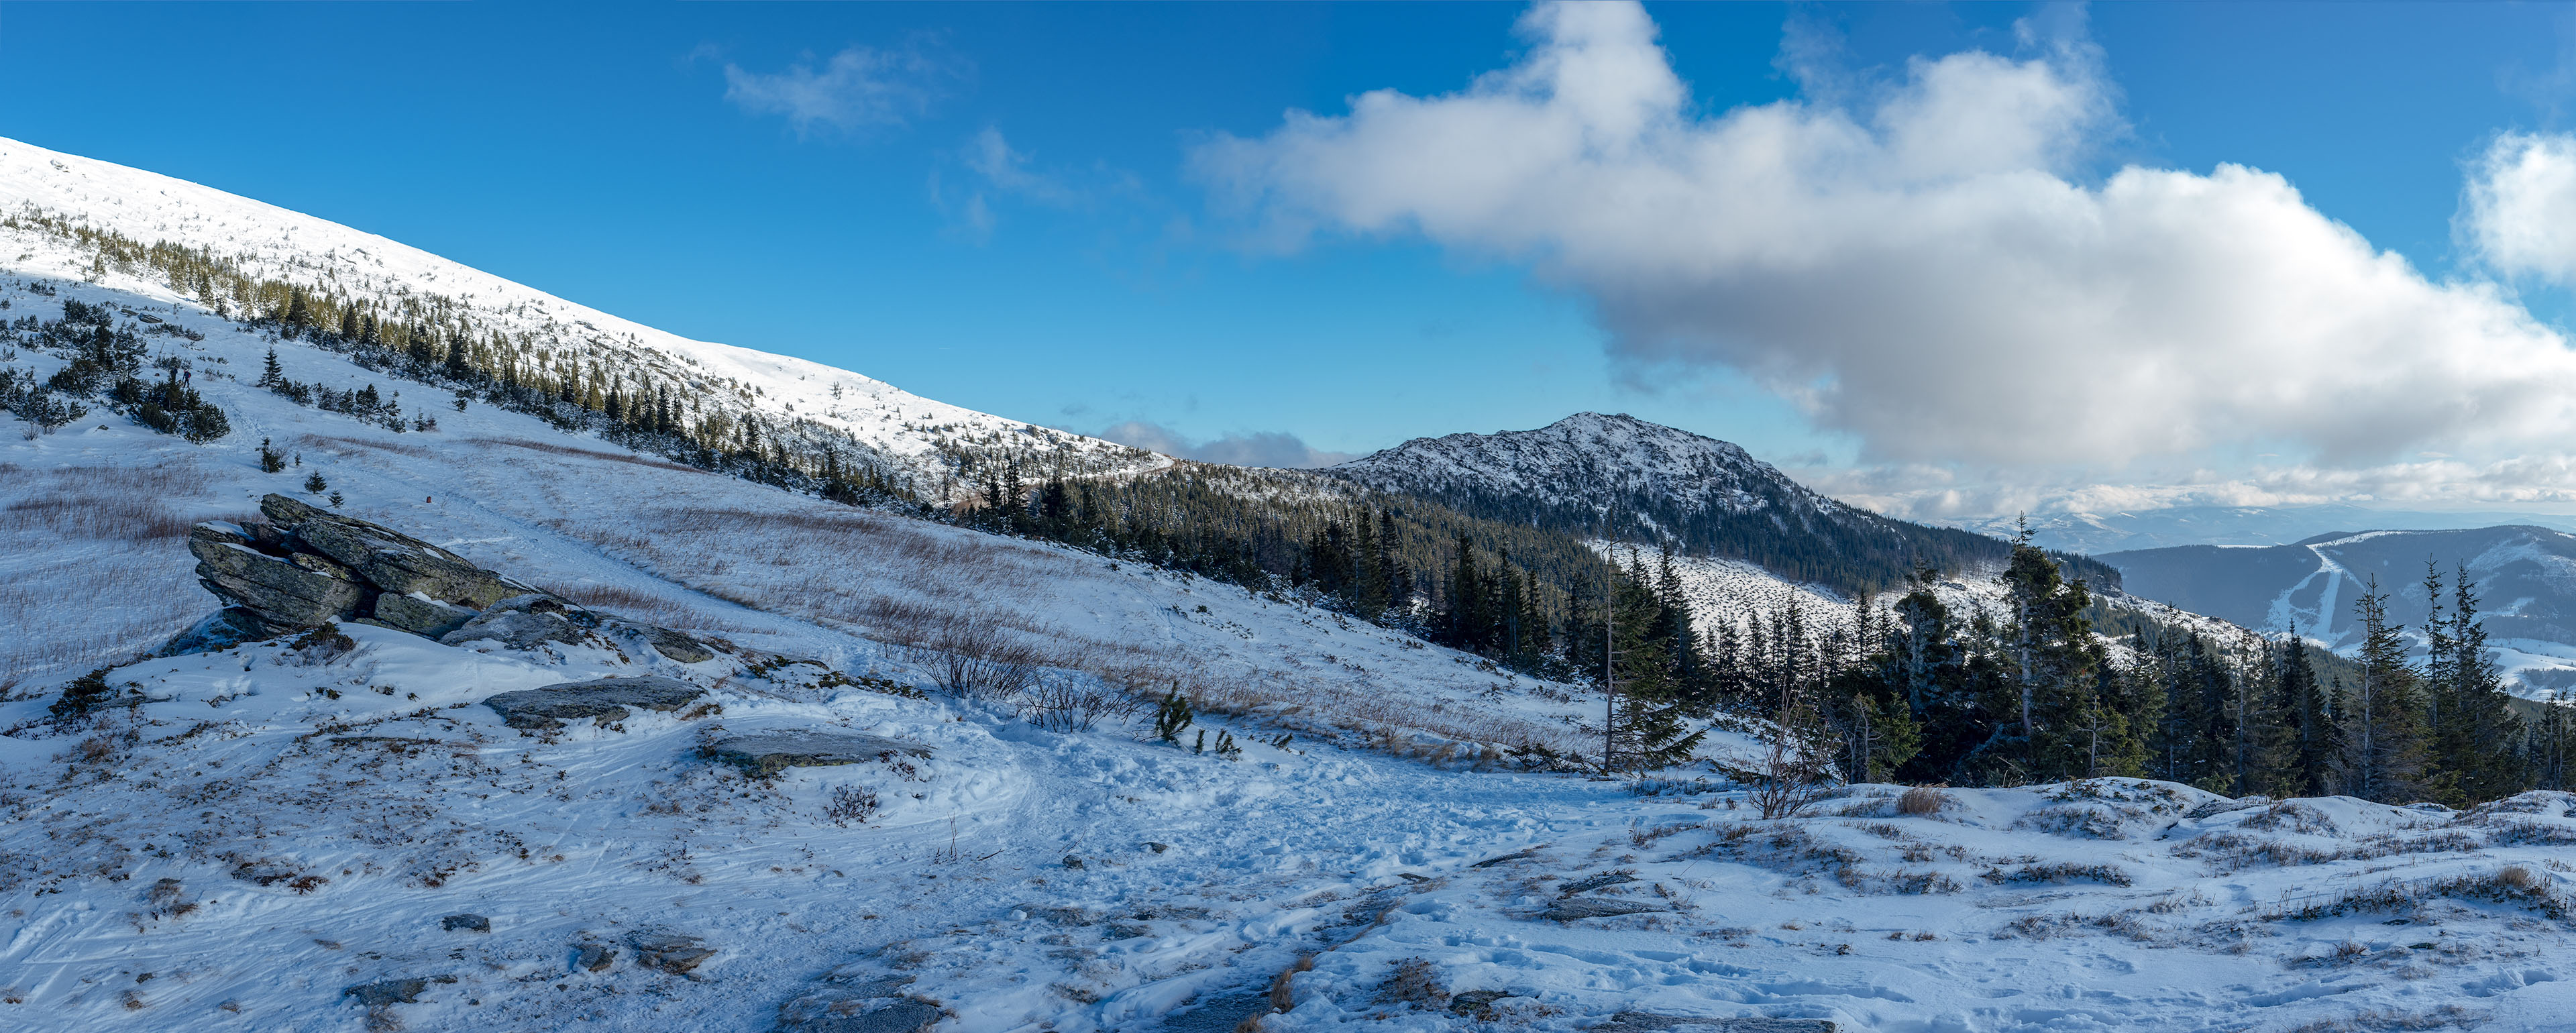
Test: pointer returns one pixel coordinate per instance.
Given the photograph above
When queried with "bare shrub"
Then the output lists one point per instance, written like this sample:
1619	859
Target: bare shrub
1922	801
2062	872
1650	836
850	805
1071	705
1414	981
973	657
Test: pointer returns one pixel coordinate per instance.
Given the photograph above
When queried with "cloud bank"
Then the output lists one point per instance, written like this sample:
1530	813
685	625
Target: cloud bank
2519	211
1261	448
1929	269
858	88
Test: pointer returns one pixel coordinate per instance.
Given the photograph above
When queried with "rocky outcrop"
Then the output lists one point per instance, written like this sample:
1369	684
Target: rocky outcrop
305	567
308	566
281	590
767	753
859	1003
390	560
605	700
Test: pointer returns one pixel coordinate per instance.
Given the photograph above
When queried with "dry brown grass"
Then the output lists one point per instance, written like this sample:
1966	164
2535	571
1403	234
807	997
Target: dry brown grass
1922	801
670	610
992	602
96	565
99	503
586	453
351	446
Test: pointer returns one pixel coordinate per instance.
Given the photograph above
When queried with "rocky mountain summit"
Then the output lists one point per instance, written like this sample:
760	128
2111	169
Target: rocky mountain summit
1626	479
305	567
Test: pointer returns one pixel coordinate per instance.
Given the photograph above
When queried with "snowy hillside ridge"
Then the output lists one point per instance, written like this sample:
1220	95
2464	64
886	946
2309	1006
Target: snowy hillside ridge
1588	456
43	191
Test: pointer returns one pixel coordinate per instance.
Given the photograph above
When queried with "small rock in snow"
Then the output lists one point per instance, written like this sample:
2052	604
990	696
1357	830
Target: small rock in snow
671	952
768	753
393	991
465	921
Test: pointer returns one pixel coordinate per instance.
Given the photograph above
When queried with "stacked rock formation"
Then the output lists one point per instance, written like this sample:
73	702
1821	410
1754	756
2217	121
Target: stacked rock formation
306	567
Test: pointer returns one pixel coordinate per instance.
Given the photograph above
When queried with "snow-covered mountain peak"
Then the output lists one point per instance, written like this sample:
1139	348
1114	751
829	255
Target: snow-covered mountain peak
1587	454
49	200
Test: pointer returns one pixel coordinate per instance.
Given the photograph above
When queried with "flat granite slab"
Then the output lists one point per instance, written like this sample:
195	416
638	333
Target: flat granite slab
767	753
604	699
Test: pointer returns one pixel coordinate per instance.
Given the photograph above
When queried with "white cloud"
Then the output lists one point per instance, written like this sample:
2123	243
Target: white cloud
992	157
858	88
1928	271
1259	448
2519	211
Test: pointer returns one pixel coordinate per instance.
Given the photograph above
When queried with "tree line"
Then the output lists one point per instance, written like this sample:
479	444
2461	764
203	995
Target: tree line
1919	692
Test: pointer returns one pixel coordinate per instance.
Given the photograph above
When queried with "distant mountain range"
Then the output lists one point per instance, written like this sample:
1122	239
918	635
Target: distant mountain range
2098	533
2525	575
1649	482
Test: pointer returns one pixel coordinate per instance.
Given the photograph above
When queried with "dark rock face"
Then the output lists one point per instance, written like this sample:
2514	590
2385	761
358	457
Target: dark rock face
392	561
307	567
423	617
283	591
768	753
594	957
604	699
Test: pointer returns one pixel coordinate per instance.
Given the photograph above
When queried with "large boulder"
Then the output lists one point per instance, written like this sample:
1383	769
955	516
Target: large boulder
767	753
283	591
390	560
605	700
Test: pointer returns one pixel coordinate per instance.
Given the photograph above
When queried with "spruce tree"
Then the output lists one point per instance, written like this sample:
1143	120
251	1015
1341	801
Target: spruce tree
2317	739
2384	720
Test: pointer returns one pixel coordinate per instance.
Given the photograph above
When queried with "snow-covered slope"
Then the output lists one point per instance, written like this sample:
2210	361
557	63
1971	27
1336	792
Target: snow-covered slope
905	429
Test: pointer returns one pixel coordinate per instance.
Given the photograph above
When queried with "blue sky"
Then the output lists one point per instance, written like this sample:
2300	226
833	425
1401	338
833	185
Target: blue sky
1089	277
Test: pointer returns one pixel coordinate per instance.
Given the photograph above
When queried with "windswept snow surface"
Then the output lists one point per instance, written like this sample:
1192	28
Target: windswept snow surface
267	827
906	429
